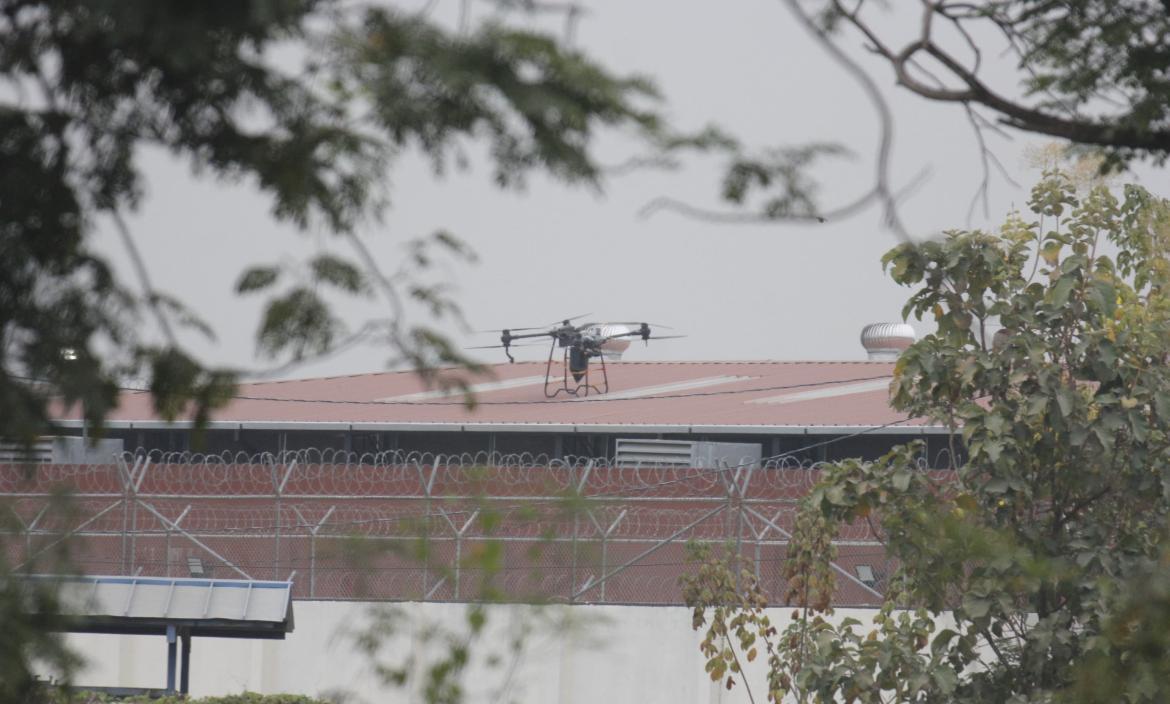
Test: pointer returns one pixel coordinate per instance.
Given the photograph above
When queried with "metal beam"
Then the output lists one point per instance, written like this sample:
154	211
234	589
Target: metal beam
185	676
172	653
192	538
646	553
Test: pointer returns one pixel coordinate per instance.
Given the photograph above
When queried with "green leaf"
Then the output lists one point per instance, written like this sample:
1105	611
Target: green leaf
1050	252
901	479
257	278
976	607
180	313
338	272
1059	294
942	641
299	323
1162	404
996	486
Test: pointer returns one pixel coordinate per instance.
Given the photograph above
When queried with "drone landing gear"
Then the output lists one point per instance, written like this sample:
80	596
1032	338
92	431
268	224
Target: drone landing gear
575	379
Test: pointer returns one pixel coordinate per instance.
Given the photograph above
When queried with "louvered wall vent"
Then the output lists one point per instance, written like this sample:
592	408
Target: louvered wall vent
39	453
686	453
62	450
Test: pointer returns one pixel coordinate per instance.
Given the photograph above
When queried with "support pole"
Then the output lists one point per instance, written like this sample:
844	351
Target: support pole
171	657
185	677
573	574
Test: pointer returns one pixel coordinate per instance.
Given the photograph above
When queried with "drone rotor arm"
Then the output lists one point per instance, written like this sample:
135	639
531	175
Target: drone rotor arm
500	347
530	335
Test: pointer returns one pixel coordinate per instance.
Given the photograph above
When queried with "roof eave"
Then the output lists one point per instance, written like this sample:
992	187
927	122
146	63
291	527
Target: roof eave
529	427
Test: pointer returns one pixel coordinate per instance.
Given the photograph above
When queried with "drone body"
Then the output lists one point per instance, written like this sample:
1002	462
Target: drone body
579	344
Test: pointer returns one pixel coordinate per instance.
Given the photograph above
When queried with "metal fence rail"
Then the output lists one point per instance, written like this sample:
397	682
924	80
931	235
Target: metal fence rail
425	527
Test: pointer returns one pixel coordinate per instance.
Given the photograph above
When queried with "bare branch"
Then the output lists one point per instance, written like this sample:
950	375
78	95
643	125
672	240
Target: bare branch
885	117
1071	127
380	278
150	294
666	203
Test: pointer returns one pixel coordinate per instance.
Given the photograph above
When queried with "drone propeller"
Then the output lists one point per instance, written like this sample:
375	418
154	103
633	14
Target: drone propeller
511	330
510	344
635	335
637	323
550	326
569	321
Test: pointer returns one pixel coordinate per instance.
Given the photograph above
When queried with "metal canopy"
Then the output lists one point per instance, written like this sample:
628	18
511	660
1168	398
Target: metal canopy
222	608
176	608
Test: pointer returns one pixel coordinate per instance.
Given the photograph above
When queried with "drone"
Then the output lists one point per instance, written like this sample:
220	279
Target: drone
579	344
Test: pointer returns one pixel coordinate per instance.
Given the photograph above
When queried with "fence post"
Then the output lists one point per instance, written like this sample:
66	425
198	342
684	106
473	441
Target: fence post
313	549
124	472
605	532
312	564
458	559
276	550
573	572
427	484
279	490
133	535
459	533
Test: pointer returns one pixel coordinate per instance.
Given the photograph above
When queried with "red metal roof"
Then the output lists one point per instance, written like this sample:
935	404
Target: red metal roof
705	396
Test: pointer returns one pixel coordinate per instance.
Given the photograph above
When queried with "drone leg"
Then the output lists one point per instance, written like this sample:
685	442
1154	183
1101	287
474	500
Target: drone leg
565	374
604	376
589	386
548	371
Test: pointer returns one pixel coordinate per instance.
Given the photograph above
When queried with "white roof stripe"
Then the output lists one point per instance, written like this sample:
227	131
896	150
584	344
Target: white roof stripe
827	392
644	391
475	388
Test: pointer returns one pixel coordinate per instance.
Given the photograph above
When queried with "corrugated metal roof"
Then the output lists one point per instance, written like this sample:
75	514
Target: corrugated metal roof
216	607
703	397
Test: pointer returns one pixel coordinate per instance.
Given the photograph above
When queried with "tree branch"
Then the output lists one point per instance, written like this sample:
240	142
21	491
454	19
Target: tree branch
143	274
667	203
1013	114
885	117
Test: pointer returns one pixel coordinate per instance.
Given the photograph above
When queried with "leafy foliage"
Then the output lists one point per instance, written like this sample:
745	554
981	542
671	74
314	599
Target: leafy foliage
536	104
95	82
1094	74
737	619
784	170
32	645
1090	71
1034	570
88	85
447	661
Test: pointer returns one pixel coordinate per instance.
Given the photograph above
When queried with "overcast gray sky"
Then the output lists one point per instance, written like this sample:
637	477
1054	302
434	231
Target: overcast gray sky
739	292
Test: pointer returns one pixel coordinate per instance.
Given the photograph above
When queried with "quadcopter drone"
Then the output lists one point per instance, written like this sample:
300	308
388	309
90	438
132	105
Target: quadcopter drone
579	344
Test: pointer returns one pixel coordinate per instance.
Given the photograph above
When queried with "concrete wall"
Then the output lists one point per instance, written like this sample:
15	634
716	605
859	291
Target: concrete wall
570	655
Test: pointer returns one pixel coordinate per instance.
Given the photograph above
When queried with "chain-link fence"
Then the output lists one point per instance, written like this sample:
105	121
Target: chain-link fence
426	527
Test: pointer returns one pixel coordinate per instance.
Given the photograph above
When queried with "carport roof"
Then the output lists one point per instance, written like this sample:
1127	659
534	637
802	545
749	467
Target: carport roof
223	608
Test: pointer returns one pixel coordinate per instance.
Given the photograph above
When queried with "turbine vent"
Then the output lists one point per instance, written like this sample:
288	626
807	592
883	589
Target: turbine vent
883	342
613	349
